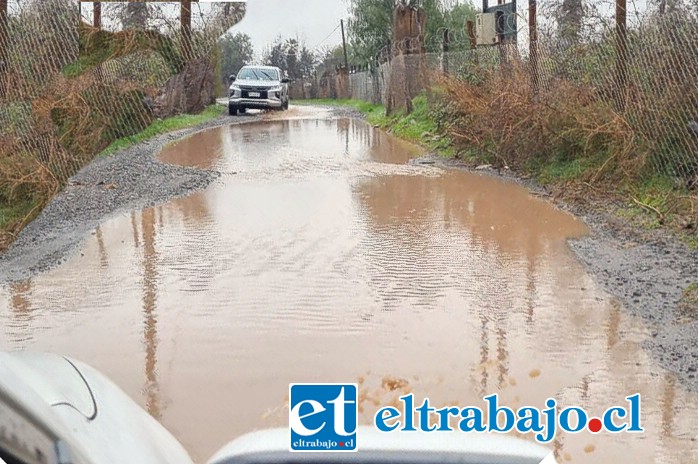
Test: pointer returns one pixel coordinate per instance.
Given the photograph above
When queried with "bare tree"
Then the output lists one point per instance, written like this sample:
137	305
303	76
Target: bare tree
670	6
134	15
569	20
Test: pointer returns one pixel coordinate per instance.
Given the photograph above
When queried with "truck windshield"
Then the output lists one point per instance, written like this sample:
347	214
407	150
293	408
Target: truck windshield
259	74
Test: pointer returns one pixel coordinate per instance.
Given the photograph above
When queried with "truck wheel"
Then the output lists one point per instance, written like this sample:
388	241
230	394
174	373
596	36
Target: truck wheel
232	110
285	105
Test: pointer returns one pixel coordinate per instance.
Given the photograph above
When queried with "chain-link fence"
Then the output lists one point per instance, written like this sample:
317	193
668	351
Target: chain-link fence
622	101
68	89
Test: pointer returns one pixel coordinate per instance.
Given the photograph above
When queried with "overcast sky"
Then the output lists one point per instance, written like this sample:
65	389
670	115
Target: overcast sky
312	21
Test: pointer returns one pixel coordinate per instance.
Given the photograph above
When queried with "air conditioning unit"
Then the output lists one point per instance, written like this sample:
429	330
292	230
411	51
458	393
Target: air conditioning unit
486	29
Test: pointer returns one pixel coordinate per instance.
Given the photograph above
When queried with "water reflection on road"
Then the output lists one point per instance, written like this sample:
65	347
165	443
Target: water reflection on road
322	256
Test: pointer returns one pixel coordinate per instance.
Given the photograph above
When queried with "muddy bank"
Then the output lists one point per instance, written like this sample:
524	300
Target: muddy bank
125	181
647	270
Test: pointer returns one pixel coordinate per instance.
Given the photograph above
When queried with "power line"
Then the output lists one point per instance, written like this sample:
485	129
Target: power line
325	39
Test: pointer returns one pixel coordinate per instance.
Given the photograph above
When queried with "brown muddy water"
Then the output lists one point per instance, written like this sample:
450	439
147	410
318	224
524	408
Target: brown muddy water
321	256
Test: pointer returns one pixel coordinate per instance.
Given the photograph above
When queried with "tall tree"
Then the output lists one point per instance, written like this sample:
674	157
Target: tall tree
371	24
308	61
291	50
569	20
275	55
134	15
294	58
236	52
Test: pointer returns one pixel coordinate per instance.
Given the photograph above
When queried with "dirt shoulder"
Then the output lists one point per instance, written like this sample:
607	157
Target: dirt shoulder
124	181
651	272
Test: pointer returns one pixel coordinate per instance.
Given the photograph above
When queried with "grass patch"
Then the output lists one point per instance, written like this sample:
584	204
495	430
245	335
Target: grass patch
163	126
563	170
13	216
656	202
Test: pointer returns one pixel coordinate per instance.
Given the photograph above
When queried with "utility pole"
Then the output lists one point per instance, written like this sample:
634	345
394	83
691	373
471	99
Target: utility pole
97	15
344	44
621	51
533	42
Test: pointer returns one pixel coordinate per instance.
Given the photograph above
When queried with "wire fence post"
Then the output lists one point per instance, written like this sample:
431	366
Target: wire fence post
97	15
471	34
621	52
344	45
533	43
185	27
444	61
4	40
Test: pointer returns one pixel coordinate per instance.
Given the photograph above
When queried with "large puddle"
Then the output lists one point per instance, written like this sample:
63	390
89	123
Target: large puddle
321	256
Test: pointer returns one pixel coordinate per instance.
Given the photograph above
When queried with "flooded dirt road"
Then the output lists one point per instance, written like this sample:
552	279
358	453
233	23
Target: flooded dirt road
321	255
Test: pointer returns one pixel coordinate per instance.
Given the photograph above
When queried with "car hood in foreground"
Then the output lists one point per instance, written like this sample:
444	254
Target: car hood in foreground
271	447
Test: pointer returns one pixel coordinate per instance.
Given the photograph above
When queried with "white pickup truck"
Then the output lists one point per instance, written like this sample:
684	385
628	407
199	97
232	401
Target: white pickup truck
258	87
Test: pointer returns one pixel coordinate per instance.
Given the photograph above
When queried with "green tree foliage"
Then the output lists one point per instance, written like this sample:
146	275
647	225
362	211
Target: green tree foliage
371	23
456	20
294	58
236	51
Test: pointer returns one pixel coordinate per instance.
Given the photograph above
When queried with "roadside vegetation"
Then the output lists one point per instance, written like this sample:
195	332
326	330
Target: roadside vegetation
163	126
16	214
578	151
615	132
71	93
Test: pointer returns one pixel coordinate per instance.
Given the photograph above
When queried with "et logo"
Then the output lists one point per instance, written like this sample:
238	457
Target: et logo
323	417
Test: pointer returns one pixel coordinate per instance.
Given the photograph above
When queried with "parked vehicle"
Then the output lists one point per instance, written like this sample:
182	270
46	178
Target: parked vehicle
258	87
56	410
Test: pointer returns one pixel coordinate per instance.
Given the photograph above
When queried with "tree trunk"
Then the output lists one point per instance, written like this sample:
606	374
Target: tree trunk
135	16
570	20
188	92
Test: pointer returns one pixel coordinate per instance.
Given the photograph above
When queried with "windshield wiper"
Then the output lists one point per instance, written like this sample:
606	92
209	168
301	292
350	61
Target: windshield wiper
270	77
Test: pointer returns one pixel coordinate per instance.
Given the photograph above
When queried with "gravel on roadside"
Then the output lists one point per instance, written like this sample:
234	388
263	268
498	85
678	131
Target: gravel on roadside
124	181
647	270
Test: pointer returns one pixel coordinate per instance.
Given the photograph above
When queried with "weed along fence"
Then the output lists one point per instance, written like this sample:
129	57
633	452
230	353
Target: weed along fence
74	77
611	93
